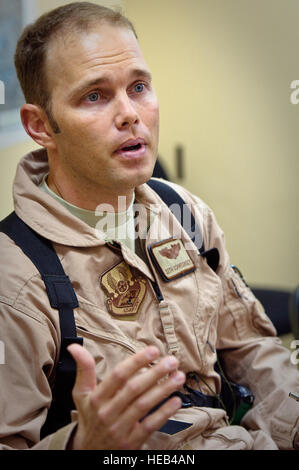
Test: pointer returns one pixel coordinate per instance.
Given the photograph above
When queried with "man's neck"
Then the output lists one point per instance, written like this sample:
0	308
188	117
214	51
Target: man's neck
91	200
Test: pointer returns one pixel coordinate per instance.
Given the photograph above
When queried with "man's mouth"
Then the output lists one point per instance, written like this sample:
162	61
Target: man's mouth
132	147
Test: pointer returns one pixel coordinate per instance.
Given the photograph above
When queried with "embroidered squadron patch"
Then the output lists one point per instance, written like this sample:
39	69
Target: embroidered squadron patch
171	259
125	290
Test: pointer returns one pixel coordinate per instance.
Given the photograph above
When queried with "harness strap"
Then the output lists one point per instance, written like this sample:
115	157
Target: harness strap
185	217
63	298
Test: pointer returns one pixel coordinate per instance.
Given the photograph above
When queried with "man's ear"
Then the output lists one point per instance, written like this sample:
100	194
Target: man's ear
36	124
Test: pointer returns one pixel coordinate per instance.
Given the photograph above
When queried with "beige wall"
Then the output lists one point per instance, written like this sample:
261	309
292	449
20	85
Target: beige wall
222	70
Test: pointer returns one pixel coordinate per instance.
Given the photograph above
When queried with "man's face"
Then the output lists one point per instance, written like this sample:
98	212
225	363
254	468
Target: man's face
106	109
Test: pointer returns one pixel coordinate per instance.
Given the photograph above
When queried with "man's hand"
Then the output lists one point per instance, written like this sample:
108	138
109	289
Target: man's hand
109	413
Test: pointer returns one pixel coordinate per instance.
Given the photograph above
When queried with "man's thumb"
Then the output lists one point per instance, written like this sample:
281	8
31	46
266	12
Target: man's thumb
86	375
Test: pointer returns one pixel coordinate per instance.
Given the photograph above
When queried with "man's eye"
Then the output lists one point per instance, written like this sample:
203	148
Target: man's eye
93	97
139	87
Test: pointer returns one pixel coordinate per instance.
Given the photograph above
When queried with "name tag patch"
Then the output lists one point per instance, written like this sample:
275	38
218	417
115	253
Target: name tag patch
125	290
171	259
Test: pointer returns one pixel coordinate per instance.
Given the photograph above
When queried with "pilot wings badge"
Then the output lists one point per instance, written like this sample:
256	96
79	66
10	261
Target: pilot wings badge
125	290
172	252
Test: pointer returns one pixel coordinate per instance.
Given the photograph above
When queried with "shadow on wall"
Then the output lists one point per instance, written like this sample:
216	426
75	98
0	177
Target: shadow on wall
160	171
282	307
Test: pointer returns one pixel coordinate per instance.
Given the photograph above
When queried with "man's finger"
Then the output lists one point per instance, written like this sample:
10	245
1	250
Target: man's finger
153	422
86	375
144	404
124	371
145	389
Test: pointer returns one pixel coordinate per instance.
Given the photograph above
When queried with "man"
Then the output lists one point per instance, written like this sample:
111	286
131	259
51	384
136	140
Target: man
152	313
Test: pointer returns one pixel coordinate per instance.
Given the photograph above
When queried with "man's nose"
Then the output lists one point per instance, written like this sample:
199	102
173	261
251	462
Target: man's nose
126	114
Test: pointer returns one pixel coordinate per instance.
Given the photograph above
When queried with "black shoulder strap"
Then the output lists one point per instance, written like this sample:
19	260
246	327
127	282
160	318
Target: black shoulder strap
172	199
63	298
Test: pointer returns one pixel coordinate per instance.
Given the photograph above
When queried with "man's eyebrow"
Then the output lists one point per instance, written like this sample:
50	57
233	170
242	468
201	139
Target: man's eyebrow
143	73
104	79
88	84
